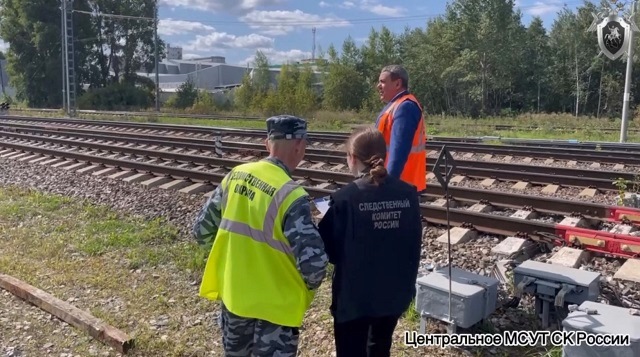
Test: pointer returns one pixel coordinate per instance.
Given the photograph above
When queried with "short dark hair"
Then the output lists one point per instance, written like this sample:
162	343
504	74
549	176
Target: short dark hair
397	72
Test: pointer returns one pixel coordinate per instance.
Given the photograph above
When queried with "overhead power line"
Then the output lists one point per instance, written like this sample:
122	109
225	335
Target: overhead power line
328	21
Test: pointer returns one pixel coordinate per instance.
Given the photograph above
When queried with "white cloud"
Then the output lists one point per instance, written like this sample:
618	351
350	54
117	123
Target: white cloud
190	56
541	8
324	4
223	40
382	10
278	57
347	5
168	27
374	6
280	22
232	6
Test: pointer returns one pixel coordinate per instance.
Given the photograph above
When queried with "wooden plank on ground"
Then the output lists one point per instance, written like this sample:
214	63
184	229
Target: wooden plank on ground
95	327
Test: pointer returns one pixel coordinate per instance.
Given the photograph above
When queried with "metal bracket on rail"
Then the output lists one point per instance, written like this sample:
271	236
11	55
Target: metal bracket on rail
566	288
519	289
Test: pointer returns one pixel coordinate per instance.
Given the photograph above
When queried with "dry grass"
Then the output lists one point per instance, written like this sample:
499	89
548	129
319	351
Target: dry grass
138	276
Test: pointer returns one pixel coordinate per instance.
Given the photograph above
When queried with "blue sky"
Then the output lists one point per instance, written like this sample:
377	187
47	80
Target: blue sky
282	28
235	29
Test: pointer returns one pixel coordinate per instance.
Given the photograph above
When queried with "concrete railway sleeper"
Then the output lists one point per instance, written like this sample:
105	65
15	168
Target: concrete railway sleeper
616	237
602	180
606	152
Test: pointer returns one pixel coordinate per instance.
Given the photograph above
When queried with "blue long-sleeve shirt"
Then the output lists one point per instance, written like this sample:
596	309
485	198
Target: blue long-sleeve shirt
405	122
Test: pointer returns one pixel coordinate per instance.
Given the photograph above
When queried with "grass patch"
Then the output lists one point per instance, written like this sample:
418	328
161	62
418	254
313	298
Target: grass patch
533	126
139	276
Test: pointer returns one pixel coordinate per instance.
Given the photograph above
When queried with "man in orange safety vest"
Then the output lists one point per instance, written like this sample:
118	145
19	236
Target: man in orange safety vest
401	122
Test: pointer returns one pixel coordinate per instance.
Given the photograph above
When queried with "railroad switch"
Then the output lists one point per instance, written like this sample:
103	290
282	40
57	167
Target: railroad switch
557	285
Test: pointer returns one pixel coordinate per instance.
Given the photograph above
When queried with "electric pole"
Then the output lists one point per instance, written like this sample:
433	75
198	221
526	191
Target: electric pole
157	58
627	82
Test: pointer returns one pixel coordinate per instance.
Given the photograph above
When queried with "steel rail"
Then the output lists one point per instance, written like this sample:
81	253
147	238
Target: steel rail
433	191
533	174
491	224
495	127
333	137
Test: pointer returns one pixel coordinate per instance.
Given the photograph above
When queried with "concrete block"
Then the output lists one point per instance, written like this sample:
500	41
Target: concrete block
327	186
175	185
468	155
442	202
318	165
550	189
458	235
588	192
480	208
51	161
513	247
525	214
631	199
595	165
457	179
184	166
76	166
196	188
572	163
137	178
105	171
618	167
487	157
156	181
430	176
30	157
88	169
623	229
9	153
121	174
575	222
339	167
527	160
5	151
570	257
549	161
62	163
18	155
488	182
507	158
629	271
522	185
42	158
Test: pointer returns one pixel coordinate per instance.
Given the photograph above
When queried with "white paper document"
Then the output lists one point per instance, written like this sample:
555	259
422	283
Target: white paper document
322	204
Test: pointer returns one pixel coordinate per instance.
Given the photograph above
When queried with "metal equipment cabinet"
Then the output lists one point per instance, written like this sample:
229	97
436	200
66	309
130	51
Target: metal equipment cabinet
610	320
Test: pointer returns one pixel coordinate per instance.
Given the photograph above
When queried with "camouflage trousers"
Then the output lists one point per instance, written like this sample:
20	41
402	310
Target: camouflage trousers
246	337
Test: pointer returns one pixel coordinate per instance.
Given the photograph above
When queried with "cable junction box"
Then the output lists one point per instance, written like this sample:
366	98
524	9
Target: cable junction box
555	284
473	297
601	319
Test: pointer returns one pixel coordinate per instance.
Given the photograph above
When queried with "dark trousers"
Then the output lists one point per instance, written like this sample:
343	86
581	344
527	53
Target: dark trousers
366	337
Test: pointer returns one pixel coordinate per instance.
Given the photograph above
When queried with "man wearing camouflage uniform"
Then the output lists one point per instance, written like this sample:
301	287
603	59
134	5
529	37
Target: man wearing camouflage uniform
267	257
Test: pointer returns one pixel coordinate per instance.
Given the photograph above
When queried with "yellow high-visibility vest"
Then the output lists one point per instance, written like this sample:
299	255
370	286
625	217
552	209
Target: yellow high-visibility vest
251	266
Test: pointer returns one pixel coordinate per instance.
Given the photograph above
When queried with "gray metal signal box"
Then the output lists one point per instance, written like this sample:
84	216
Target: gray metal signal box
473	297
555	284
609	320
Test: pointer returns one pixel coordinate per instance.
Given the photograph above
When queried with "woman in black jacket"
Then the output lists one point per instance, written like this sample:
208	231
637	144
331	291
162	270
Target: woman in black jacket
372	233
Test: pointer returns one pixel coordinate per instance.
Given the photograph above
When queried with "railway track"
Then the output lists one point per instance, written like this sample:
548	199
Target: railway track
198	170
493	127
608	152
189	164
474	169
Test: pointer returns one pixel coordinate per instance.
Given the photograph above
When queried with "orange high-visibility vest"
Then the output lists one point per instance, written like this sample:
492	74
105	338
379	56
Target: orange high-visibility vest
415	170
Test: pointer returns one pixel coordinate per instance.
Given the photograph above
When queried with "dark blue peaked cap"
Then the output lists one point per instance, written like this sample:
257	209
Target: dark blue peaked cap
286	127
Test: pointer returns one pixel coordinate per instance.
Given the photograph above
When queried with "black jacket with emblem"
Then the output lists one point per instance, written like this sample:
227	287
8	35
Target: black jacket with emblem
373	236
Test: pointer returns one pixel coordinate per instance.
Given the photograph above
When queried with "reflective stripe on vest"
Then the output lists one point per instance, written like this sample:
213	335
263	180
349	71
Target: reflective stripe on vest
251	266
414	171
266	235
